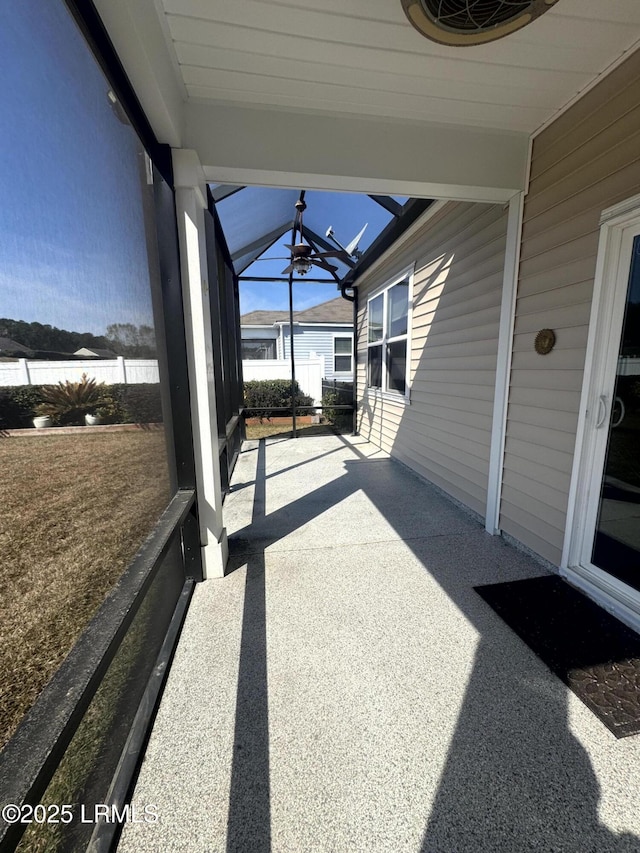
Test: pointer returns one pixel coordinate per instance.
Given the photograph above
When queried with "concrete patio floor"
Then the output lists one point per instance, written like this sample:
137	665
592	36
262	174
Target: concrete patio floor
344	688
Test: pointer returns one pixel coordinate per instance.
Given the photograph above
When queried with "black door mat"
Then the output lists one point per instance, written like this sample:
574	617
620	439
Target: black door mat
595	655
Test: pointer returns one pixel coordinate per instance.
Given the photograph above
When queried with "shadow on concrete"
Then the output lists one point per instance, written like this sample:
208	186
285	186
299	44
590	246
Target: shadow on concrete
249	817
236	487
515	778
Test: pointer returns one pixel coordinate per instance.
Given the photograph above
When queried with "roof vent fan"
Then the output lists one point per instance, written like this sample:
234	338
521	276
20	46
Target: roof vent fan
469	22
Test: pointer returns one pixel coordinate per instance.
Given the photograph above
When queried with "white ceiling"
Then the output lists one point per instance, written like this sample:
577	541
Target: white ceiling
347	95
362	57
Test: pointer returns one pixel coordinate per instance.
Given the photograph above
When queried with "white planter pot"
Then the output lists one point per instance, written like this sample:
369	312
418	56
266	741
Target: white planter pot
42	422
92	420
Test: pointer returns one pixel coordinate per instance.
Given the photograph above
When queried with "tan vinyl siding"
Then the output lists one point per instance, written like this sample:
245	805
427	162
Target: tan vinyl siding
445	432
586	161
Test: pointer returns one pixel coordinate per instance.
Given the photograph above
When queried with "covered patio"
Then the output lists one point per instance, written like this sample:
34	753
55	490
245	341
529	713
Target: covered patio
295	658
345	688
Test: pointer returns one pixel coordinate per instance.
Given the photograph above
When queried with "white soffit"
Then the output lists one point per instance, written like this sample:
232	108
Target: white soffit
346	94
362	57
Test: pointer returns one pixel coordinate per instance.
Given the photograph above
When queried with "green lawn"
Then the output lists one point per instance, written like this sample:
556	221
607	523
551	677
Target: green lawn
269	429
74	509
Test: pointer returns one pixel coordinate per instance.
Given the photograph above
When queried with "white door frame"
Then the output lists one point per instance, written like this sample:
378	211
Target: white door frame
619	225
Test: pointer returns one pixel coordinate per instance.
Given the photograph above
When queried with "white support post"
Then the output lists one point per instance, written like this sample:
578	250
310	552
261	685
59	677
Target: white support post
191	203
503	366
122	370
25	378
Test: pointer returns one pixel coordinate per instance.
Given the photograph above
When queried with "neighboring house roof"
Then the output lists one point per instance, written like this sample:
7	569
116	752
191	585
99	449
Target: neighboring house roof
337	310
51	355
264	318
95	352
9	347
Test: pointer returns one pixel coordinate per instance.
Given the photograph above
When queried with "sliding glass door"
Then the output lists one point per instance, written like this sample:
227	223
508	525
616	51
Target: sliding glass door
616	546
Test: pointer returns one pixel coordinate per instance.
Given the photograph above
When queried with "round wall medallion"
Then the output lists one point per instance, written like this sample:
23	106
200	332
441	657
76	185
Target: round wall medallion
545	341
470	22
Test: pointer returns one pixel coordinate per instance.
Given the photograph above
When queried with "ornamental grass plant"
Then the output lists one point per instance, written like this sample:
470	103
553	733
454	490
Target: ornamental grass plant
68	402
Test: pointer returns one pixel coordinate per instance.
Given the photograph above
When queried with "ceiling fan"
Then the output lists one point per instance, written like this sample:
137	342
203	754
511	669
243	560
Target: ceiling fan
459	23
303	255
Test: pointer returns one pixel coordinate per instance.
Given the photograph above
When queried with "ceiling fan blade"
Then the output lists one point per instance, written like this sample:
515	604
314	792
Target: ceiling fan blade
319	262
287	258
353	245
289	269
337	253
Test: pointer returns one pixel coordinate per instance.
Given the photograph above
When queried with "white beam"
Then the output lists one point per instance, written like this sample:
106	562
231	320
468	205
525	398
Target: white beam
191	202
289	149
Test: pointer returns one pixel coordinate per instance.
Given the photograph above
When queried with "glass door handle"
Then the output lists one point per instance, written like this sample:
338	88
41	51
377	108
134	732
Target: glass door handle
602	411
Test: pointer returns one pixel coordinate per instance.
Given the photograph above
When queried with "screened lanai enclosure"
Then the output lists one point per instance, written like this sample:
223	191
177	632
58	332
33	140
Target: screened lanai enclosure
265	229
463	178
88	644
251	233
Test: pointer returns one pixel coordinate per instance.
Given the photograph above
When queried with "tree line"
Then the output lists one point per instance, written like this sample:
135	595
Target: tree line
124	339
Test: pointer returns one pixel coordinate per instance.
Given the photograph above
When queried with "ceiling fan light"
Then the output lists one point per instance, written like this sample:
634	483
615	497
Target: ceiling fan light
302	265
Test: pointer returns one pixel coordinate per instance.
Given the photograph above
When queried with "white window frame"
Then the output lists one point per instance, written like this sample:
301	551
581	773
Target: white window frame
384	392
335	337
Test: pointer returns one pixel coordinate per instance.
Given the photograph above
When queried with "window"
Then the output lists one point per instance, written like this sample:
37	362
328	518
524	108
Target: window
259	348
343	354
388	327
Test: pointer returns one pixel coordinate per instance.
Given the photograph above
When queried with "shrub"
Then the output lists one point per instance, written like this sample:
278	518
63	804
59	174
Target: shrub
329	399
110	410
18	405
265	395
140	404
338	394
129	404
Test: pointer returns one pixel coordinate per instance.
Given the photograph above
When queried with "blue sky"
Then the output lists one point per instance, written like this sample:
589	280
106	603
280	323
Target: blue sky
72	243
72	246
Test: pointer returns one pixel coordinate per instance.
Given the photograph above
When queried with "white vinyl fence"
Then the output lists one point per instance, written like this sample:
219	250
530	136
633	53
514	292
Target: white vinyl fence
111	371
309	373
